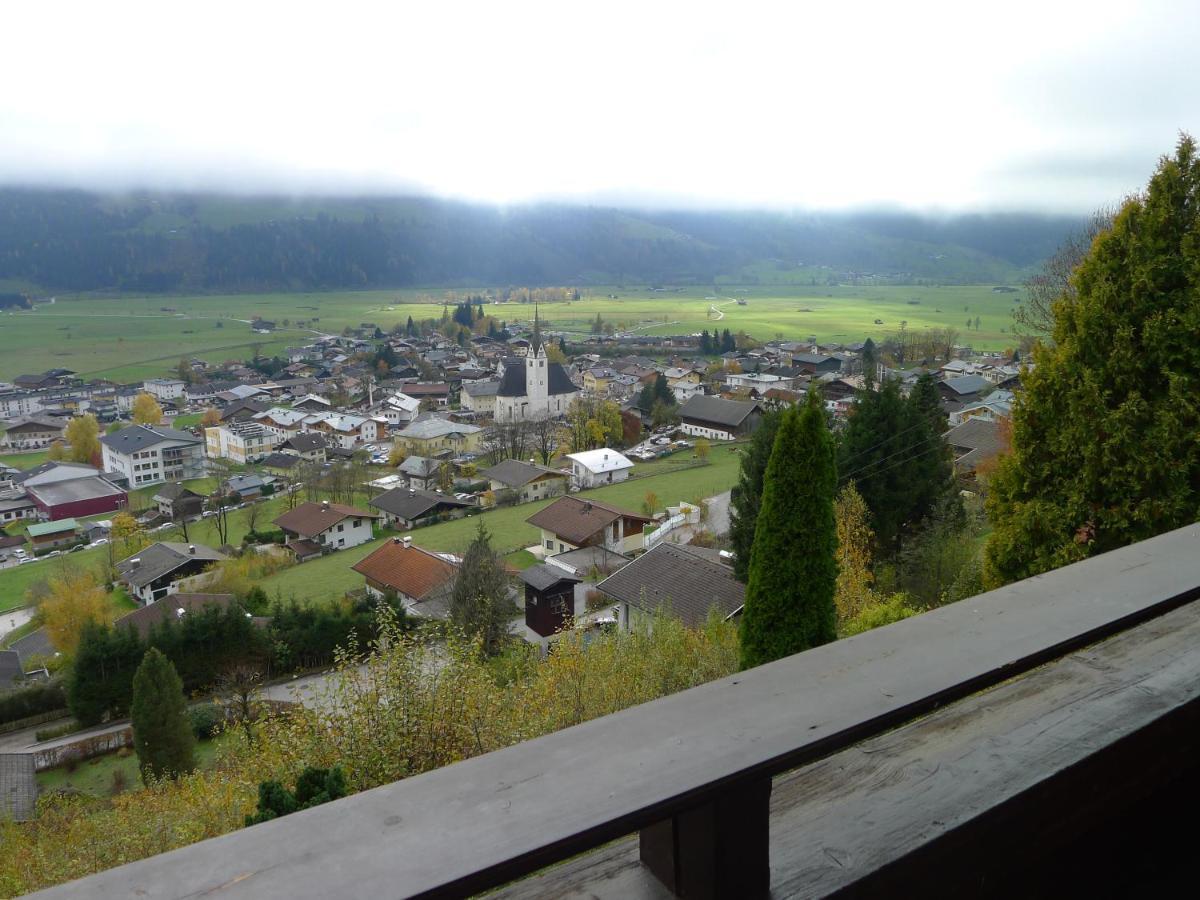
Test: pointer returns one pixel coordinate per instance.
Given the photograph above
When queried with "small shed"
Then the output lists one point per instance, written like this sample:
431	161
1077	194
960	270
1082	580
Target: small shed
549	597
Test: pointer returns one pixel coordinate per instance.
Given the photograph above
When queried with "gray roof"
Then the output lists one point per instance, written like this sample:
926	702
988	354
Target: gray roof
543	576
140	437
36	643
717	410
513	382
585	559
980	439
677	578
10	669
515	473
161	559
482	388
75	490
420	466
411	504
967	384
432	428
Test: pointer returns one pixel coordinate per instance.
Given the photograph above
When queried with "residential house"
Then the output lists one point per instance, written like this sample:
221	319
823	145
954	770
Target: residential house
313	403
240	442
686	390
312	528
239	410
412	508
439	437
816	363
420	579
719	419
435	393
420	472
311	447
592	468
480	397
964	389
597	379
32	432
152	454
345	431
247	487
397	410
281	463
178	502
526	480
161	569
145	619
15	505
570	523
164	389
45	535
976	441
680	580
680	375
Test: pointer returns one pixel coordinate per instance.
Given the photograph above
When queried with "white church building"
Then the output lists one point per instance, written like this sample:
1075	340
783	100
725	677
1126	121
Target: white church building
534	388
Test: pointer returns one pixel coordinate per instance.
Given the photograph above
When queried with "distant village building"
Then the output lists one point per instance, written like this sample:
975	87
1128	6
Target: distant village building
719	419
593	468
151	454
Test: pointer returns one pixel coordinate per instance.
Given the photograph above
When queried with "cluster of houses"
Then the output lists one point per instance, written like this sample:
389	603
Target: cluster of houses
435	410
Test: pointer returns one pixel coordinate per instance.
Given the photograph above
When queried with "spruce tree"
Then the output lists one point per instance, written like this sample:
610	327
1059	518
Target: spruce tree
662	390
793	564
746	496
480	604
1104	434
162	736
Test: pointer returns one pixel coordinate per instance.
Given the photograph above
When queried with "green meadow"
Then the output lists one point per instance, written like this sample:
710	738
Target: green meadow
130	338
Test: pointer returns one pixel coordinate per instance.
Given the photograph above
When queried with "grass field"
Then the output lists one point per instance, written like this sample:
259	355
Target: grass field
131	338
113	773
25	460
331	575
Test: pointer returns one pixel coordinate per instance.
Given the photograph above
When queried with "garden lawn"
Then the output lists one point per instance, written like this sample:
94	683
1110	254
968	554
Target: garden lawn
331	576
96	776
25	460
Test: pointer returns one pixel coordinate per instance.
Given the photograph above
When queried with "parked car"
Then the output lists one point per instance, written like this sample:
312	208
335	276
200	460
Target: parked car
52	554
99	542
77	548
26	559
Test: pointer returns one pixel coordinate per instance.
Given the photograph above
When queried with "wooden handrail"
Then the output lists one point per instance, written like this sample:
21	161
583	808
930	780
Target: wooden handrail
488	820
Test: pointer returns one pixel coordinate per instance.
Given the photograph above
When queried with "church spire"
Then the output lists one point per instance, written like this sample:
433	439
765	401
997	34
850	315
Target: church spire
535	345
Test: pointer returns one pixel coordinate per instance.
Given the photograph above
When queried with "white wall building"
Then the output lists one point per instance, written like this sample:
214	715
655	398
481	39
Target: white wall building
241	442
592	468
164	388
149	454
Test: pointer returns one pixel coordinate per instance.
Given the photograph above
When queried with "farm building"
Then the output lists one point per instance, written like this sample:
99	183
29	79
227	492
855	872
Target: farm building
719	419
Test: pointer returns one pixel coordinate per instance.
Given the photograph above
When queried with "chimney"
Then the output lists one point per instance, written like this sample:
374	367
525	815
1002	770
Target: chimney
408	542
192	549
587	506
135	562
324	504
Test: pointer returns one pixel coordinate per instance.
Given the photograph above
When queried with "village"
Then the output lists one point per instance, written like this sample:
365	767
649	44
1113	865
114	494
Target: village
361	450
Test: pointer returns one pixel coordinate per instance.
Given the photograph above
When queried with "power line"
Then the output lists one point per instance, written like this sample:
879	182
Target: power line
897	465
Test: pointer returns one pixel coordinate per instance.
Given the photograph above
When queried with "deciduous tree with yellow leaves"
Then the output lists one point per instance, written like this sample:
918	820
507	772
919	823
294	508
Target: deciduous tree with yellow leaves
146	410
73	600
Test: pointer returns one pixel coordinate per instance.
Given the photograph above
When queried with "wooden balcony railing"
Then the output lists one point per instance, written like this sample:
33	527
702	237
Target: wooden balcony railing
999	745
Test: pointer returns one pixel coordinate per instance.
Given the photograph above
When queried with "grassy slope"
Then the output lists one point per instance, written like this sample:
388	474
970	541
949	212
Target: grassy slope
25	460
99	336
331	576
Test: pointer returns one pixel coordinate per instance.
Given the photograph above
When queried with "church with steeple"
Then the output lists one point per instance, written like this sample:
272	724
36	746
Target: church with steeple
534	388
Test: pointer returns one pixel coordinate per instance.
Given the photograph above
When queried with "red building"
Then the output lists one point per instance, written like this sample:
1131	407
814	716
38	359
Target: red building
70	490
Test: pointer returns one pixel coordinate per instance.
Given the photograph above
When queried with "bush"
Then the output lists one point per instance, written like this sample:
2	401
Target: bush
43	697
46	734
206	720
313	787
876	615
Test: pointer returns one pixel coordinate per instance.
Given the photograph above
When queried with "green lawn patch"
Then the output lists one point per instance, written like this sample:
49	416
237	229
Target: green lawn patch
102	775
331	576
25	460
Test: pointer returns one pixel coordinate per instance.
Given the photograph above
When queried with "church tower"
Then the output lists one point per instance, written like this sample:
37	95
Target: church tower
537	379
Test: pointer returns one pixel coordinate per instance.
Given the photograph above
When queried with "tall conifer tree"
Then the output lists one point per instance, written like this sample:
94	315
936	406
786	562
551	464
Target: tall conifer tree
162	736
1104	434
793	566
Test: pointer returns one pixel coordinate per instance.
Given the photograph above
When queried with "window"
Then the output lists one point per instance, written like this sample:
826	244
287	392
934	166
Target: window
549	545
341	527
357	522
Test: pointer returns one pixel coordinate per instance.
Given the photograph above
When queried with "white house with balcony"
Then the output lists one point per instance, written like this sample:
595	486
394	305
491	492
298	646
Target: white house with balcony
593	468
151	454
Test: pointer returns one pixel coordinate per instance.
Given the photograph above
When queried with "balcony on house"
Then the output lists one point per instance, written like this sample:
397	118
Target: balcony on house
1038	739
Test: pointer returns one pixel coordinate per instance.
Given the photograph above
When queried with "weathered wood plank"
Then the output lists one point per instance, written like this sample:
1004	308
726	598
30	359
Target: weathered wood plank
486	820
842	821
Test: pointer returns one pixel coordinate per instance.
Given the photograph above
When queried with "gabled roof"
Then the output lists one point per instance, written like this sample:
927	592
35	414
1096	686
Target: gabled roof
543	576
481	388
512	384
411	504
575	520
967	384
676	577
162	559
41	529
144	619
408	570
141	437
304	443
174	491
425	429
601	460
717	410
517	474
310	519
420	466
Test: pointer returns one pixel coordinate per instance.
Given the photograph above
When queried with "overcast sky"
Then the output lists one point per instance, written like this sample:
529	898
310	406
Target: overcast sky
958	105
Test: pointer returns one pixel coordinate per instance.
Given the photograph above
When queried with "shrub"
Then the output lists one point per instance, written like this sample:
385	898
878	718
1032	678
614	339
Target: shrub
313	787
46	734
206	720
893	609
43	697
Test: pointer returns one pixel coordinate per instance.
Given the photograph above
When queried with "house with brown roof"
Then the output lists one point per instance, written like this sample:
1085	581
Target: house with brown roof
683	581
313	528
420	579
570	523
32	432
144	620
